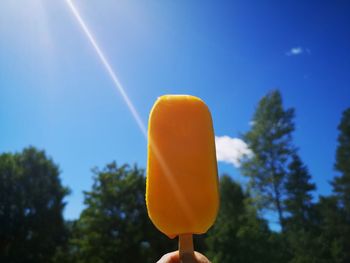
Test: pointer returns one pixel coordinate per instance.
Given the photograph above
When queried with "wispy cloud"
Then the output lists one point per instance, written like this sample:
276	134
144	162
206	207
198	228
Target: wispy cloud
295	51
231	150
251	123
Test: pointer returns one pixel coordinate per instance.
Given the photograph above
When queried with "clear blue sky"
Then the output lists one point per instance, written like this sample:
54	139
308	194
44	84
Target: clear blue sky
56	95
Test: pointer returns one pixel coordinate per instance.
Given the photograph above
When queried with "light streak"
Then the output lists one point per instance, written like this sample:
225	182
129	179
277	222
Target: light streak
177	191
109	69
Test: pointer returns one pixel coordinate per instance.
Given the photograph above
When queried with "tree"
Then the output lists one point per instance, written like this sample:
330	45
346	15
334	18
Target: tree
114	226
238	235
298	202
329	237
270	139
299	225
334	211
300	229
332	232
341	183
31	203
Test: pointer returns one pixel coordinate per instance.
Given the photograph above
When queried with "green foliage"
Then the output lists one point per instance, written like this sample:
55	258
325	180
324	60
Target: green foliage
31	205
300	233
341	184
238	234
114	226
334	211
332	232
270	140
298	202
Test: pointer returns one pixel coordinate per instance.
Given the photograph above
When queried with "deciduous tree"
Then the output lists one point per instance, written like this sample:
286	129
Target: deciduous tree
31	206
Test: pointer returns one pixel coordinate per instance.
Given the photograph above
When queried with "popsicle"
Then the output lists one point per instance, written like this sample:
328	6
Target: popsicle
182	193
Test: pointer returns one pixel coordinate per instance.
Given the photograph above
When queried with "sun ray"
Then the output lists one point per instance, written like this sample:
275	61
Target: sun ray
110	71
131	107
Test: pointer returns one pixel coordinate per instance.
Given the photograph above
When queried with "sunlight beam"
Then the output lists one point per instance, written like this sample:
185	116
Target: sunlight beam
177	191
109	69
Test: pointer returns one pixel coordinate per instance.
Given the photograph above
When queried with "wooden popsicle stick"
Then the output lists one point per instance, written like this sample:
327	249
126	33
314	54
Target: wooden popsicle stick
186	248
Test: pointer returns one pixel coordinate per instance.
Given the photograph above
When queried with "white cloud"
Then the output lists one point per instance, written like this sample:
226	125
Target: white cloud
251	123
294	51
231	150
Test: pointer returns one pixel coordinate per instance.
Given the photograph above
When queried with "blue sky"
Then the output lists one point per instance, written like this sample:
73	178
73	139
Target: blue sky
55	93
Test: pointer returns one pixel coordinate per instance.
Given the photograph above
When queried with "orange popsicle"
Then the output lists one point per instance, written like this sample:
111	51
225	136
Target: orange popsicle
182	185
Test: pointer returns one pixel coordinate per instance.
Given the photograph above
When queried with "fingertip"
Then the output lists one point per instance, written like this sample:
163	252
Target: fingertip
171	257
174	257
200	258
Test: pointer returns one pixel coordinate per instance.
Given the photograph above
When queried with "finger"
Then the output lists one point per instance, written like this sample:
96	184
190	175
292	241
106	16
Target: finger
201	258
172	257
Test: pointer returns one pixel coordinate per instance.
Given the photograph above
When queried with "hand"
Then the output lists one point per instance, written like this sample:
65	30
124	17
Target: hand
173	257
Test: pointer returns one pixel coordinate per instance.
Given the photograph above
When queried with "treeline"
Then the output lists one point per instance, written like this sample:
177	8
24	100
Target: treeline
114	226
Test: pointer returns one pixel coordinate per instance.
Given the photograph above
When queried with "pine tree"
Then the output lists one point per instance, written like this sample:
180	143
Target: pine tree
298	201
335	210
270	139
341	184
301	233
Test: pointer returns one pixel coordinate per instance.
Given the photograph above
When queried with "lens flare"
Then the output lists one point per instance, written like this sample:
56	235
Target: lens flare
178	191
109	69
